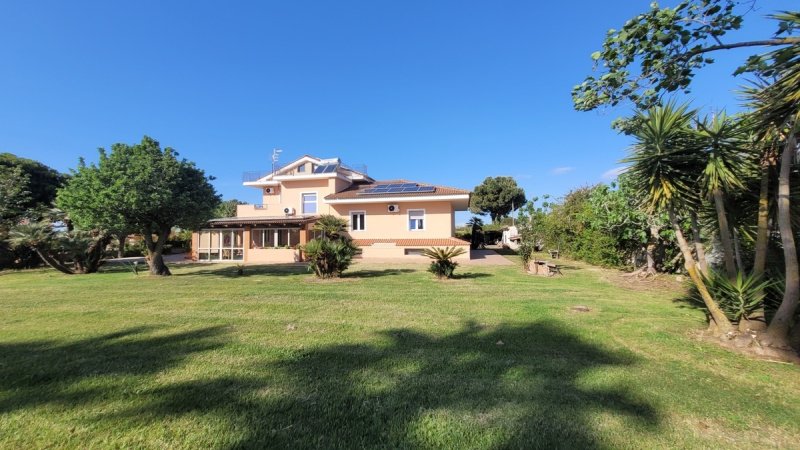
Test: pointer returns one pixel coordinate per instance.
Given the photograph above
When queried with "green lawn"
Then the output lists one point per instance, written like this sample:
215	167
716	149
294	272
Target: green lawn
387	357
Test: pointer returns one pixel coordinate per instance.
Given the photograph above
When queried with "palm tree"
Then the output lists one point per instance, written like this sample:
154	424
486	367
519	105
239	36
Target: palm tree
722	140
331	227
662	167
778	105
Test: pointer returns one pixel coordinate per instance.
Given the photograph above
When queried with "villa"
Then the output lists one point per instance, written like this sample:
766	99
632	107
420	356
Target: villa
394	219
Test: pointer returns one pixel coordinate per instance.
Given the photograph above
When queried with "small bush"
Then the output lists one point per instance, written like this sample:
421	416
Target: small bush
443	265
329	258
737	298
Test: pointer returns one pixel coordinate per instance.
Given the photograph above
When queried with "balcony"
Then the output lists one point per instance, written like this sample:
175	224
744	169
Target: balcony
253	176
257	210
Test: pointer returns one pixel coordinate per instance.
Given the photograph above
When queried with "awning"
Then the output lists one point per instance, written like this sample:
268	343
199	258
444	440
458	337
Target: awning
261	220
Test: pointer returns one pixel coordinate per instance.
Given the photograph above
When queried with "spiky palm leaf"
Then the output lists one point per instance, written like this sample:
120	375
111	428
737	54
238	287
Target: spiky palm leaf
724	140
663	161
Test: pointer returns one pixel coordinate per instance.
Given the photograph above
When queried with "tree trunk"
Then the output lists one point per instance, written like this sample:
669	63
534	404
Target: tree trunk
698	244
155	258
724	234
762	232
121	238
53	262
778	330
94	254
757	321
720	321
650	249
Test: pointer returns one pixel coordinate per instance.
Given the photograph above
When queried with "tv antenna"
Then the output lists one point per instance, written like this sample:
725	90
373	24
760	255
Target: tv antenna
275	154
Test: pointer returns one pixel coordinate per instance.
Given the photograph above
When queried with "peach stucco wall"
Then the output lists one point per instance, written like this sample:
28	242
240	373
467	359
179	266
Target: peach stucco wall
389	251
272	255
289	195
380	223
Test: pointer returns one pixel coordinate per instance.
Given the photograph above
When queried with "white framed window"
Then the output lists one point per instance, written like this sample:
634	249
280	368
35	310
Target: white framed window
358	220
416	219
221	245
274	237
309	202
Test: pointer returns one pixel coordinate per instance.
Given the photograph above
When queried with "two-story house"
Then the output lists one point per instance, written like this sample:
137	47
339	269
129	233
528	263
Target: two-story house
386	219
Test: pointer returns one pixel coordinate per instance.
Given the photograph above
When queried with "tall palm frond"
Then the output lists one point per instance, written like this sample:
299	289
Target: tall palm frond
664	158
724	140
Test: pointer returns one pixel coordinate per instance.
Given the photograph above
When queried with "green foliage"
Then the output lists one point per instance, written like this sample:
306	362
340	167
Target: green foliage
25	186
525	252
40	181
664	159
331	227
140	187
603	225
443	265
497	196
69	251
227	208
739	297
658	52
328	258
14	194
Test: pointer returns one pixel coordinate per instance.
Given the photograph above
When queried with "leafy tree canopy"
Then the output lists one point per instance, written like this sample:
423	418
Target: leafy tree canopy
497	196
658	52
140	187
227	208
42	182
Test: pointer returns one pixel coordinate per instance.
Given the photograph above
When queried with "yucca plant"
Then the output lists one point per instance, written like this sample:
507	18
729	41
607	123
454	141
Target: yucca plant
331	227
443	265
329	258
739	297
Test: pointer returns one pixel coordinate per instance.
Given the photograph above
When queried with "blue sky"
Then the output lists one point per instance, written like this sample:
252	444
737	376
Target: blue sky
442	92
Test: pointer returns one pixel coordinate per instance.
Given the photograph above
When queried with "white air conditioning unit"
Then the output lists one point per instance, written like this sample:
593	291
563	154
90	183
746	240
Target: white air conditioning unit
269	190
394	208
288	211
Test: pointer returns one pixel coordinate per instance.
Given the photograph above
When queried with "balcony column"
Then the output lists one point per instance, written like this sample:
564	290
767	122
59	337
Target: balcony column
303	235
245	242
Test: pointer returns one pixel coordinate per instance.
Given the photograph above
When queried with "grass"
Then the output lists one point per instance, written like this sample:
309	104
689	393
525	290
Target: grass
386	357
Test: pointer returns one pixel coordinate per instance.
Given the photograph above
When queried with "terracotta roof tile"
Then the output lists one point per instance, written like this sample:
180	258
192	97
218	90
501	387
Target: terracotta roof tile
354	191
441	242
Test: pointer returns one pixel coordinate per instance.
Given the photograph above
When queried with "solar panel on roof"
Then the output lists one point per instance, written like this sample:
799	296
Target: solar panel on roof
397	188
325	168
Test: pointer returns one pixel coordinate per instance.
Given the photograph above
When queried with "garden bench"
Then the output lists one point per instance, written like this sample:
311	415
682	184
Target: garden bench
553	269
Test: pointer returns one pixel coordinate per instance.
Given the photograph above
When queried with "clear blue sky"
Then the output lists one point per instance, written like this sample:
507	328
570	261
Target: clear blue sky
435	91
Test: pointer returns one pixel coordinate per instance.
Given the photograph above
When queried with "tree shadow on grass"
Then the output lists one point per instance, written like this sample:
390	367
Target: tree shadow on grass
470	275
370	273
508	386
50	372
231	270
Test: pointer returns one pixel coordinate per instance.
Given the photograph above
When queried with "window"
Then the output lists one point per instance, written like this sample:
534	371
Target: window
310	203
357	222
414	252
221	245
301	167
416	219
274	237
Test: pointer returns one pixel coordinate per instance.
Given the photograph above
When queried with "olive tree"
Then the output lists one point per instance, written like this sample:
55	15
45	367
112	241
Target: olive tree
140	187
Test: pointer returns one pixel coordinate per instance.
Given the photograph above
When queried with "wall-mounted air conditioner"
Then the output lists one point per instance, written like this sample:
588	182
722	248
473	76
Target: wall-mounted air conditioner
394	208
288	211
270	190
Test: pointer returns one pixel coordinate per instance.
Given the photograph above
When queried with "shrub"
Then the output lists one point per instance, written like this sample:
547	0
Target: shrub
443	265
738	298
525	252
329	258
